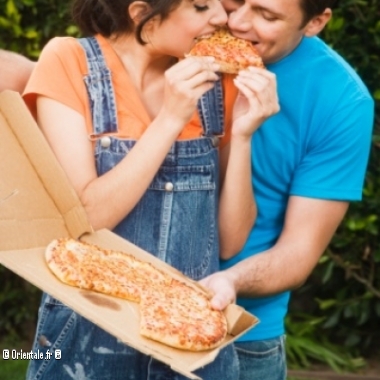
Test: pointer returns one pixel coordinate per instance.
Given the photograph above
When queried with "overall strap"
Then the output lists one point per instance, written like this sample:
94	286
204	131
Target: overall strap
102	98
211	110
99	88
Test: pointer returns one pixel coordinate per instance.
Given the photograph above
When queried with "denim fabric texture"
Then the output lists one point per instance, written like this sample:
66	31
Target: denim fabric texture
176	220
262	360
89	353
176	217
99	89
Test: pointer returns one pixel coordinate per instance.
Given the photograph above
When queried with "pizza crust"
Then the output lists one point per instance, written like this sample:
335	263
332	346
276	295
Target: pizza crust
181	317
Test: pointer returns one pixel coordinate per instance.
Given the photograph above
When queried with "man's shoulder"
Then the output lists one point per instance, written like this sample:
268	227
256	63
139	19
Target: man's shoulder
321	71
336	67
313	56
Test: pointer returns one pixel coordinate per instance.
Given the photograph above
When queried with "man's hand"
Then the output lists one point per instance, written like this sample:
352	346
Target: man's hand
222	285
257	100
15	71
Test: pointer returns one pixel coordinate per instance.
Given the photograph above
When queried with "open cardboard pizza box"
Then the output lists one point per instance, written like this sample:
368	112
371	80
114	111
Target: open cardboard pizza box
38	204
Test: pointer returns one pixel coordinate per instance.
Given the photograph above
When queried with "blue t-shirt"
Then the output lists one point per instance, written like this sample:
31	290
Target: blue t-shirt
317	146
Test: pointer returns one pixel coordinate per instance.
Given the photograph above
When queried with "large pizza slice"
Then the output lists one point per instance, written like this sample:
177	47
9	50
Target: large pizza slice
181	316
171	311
232	53
90	267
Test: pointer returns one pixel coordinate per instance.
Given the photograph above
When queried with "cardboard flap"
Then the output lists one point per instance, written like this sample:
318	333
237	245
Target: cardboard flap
239	320
39	198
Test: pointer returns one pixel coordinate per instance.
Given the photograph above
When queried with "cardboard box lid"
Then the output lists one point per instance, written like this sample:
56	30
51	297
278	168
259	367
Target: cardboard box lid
38	204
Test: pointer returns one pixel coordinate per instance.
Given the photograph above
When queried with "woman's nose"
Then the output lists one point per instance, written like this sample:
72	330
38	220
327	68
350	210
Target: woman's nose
238	21
220	18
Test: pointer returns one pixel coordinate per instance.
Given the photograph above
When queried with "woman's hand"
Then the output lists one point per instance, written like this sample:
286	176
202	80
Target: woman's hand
257	100
185	83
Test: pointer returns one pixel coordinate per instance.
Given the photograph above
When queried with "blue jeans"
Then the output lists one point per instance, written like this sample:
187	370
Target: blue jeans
262	360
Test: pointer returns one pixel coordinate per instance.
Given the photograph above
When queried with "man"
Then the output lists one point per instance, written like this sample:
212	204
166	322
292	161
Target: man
308	162
15	70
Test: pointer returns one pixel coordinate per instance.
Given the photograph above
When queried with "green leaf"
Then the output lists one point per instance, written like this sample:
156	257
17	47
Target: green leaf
326	304
31	34
335	23
328	272
352	340
333	320
72	30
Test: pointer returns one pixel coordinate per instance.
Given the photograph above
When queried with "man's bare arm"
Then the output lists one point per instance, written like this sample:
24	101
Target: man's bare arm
15	71
309	227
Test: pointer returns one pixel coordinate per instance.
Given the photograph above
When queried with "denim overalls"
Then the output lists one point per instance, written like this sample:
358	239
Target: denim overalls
176	220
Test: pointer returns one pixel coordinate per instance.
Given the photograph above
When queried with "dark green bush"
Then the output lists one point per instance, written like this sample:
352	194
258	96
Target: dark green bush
342	297
19	302
26	25
341	301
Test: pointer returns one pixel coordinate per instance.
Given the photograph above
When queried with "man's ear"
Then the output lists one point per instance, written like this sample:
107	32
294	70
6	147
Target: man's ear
317	23
137	10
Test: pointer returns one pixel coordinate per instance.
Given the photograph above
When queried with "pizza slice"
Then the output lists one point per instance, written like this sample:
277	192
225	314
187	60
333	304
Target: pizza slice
232	53
171	311
90	267
181	317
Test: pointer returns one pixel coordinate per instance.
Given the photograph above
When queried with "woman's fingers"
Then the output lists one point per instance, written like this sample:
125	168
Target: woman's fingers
186	82
187	68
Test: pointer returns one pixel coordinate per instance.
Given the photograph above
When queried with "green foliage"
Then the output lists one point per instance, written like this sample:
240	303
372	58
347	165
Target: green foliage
305	344
18	304
26	25
340	303
13	369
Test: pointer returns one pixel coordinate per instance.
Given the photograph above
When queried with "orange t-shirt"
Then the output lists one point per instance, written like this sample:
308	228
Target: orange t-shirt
59	75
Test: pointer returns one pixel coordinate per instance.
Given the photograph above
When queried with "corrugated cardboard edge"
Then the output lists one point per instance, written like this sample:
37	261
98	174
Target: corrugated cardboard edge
45	163
239	320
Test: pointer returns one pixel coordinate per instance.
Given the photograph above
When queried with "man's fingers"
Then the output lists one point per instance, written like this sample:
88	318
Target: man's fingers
221	286
220	303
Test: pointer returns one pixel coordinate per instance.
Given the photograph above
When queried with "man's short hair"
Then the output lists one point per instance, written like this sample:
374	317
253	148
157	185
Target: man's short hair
312	8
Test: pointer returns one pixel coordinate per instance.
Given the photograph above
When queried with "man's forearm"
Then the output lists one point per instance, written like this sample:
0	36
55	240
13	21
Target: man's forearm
309	227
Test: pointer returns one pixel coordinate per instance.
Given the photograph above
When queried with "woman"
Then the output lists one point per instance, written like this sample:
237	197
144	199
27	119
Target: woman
120	113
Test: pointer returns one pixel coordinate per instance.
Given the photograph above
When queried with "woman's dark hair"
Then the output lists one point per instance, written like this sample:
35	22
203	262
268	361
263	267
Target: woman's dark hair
111	17
312	8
